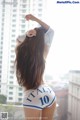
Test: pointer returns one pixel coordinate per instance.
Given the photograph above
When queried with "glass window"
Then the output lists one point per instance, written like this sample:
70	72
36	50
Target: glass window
23	26
11	82
11	77
3	14
24	6
12	72
20	89
39	10
3	10
10	87
22	31
1	39
10	98
2	24
40	5
12	45
24	1
20	99
14	15
10	93
39	15
12	51
13	25
13	30
20	94
12	56
14	10
13	35
0	58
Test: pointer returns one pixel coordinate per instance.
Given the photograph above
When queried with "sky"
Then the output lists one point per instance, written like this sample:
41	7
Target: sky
64	54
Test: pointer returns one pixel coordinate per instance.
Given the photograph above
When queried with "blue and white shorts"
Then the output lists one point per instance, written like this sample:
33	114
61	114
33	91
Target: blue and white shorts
39	98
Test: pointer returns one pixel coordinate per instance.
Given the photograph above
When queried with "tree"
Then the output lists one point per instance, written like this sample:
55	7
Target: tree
3	99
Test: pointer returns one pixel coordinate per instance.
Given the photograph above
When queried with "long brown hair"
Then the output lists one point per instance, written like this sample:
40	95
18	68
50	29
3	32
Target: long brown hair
30	63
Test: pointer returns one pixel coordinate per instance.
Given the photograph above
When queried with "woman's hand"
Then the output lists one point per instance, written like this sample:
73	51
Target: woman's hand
33	18
30	17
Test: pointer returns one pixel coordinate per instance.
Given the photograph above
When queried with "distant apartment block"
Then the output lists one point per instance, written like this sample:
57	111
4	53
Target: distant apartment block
74	95
12	24
62	101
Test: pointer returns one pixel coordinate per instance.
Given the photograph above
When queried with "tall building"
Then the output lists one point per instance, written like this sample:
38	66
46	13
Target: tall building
12	24
74	95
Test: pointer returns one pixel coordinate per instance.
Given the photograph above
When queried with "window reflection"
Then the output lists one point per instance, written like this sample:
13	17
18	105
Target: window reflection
12	24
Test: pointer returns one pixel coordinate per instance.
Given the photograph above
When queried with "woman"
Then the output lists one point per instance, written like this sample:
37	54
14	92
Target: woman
32	48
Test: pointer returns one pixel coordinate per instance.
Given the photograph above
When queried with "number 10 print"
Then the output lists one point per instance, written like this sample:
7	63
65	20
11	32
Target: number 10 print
44	100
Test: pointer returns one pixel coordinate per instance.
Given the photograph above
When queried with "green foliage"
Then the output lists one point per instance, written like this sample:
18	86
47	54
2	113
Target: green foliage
3	99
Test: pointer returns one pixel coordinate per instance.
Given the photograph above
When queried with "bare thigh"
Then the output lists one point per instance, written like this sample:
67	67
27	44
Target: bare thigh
48	113
32	114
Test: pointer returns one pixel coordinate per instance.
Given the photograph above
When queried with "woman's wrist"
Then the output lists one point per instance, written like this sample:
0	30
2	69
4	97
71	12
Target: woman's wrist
33	18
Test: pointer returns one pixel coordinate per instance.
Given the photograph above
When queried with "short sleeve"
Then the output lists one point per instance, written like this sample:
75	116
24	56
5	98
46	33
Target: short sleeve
49	37
43	29
21	38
